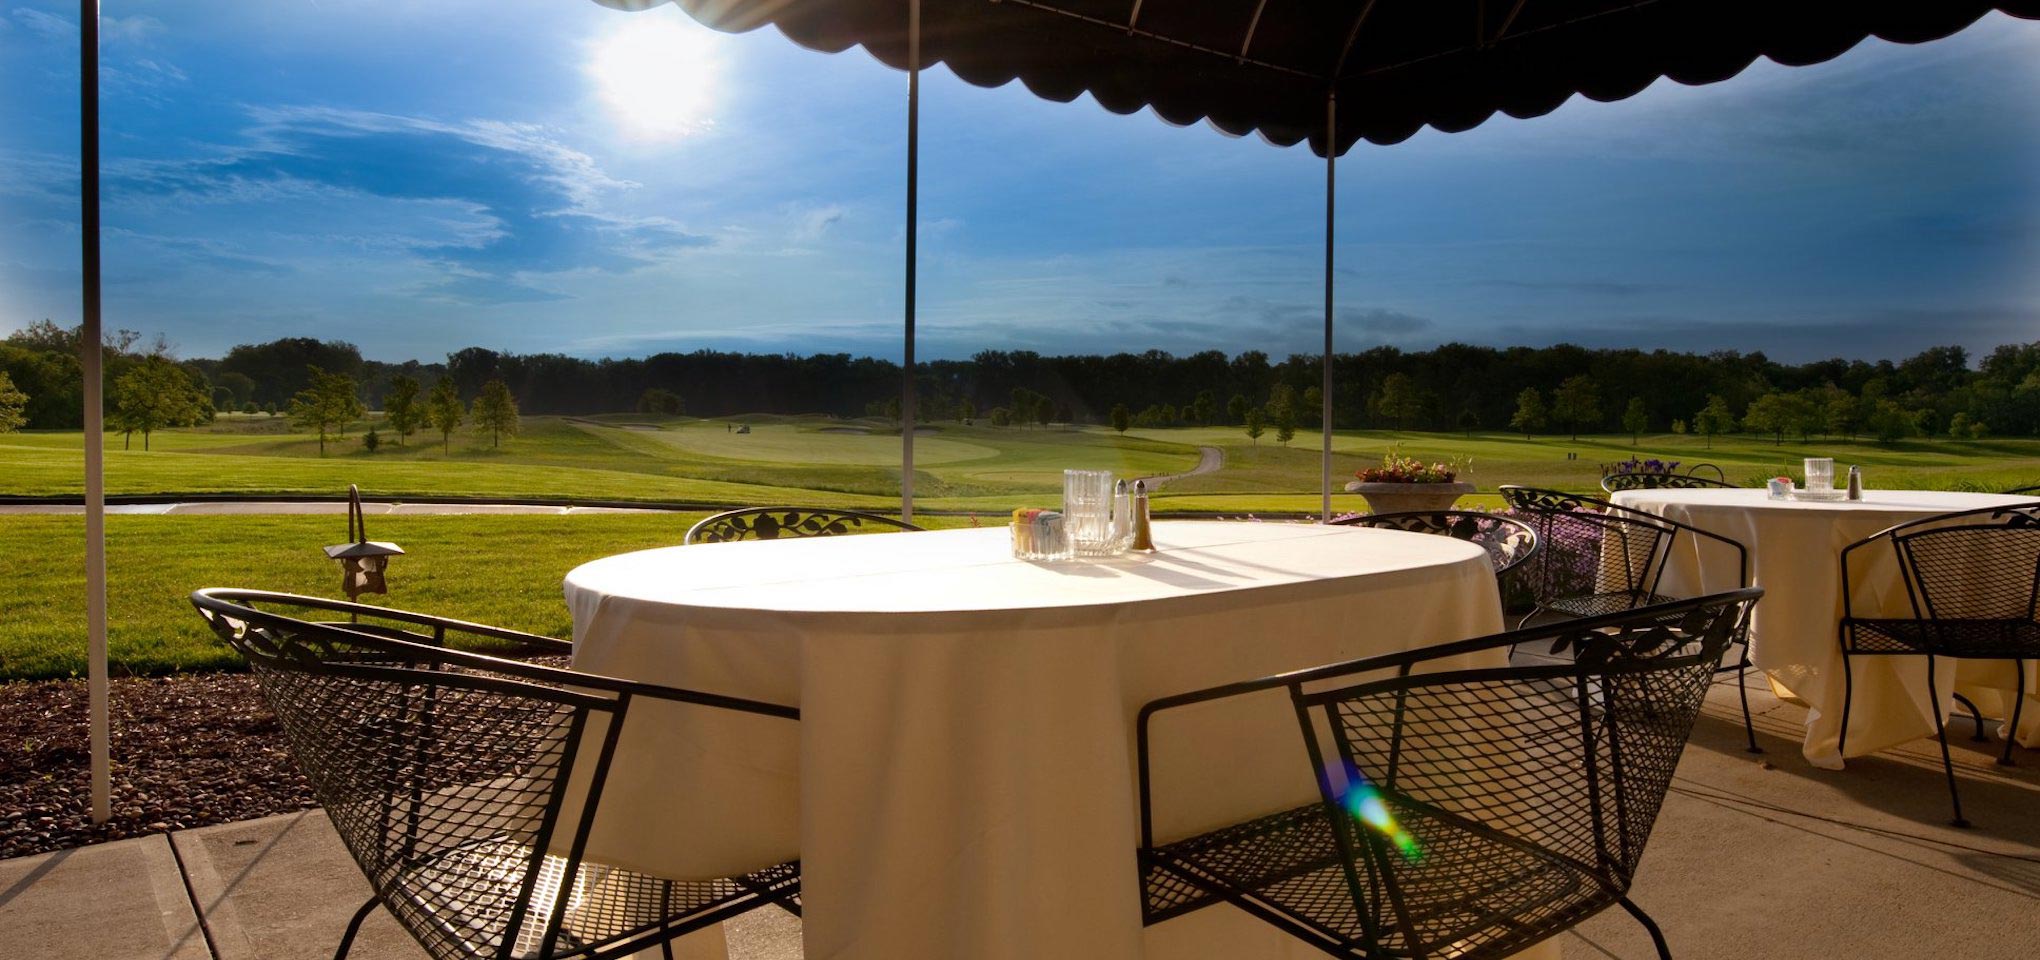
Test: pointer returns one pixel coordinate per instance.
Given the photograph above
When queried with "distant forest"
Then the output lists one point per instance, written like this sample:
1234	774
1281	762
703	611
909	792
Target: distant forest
1451	387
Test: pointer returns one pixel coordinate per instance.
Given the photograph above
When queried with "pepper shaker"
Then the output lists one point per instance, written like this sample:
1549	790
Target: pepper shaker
1143	531
1855	482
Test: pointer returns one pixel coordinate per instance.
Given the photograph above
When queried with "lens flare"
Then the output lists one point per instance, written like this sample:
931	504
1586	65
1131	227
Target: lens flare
1364	803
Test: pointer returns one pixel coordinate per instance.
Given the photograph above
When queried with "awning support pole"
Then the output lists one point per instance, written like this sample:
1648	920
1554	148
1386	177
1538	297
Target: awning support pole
907	404
1331	191
89	341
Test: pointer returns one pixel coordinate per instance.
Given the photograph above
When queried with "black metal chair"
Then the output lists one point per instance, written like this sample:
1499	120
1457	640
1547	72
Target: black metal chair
1509	542
1617	482
446	774
773	523
1464	813
1973	581
1601	557
2033	491
1696	468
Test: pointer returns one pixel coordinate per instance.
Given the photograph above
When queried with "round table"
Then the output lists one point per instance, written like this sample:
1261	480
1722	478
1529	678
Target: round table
1795	549
962	781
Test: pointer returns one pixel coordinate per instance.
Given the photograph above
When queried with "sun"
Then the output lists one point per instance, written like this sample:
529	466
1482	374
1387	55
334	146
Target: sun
657	75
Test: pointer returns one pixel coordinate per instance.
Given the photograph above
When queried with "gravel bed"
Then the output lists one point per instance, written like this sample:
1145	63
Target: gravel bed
188	751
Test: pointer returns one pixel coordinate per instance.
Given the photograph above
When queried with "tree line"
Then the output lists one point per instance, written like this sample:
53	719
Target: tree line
1563	388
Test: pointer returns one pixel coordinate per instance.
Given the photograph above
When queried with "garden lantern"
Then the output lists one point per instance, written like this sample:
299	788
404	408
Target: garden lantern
362	560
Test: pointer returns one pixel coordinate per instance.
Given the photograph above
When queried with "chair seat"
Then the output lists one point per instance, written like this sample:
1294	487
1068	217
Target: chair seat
459	901
1599	604
1288	866
1978	639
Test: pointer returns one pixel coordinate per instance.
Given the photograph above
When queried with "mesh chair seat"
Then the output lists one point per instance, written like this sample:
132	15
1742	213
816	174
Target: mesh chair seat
1598	604
1990	639
1289	863
466	896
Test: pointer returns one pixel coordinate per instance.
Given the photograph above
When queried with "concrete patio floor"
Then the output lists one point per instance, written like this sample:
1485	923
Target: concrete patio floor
1753	857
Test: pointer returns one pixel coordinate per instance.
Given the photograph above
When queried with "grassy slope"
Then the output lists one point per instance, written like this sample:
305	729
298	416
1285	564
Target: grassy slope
494	569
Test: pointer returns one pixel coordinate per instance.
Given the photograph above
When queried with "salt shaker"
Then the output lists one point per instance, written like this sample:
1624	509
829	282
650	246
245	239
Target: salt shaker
1855	482
1143	531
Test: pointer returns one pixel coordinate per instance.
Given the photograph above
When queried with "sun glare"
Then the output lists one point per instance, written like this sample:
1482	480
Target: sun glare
657	75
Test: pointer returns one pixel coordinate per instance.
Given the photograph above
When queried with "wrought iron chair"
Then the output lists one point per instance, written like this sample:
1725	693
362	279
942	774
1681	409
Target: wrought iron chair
2033	491
1466	813
1509	542
773	523
1973	581
1617	482
452	778
1601	557
1695	469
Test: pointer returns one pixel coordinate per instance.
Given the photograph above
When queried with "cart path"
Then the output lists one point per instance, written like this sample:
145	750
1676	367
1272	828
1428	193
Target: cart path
1209	460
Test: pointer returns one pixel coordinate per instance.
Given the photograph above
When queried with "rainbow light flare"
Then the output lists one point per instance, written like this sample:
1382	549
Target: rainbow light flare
1364	804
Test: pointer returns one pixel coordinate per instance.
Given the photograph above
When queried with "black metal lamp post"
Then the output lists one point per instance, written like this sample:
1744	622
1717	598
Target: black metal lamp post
362	560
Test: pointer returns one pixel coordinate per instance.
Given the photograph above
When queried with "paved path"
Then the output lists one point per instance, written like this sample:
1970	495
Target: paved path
1209	460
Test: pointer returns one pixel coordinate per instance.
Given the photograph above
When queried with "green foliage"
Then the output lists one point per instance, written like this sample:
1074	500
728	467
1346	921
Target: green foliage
496	411
1714	419
1402	400
1531	414
443	411
1254	425
327	405
13	405
1236	409
1635	419
1679	427
662	401
1468	421
155	393
1204	408
966	411
370	441
401	409
1002	417
1577	403
1121	417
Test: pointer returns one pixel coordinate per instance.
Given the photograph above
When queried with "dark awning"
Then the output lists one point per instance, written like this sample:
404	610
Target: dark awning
1264	66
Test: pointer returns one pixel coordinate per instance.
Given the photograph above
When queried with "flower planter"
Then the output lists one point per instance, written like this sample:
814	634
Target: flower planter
1406	497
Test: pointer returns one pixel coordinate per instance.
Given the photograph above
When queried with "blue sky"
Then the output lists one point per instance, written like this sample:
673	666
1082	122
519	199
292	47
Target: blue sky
539	175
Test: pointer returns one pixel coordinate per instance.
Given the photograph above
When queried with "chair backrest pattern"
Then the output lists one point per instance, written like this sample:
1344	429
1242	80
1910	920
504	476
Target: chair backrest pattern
1590	546
1568	763
1616	482
1978	565
773	523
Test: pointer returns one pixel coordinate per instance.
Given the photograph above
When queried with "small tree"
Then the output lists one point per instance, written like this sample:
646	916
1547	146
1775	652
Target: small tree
1204	408
1840	412
1001	417
1635	419
401	410
496	411
1771	413
1254	428
1121	417
1285	423
1401	399
1577	401
1530	413
1469	420
1959	426
1312	411
153	394
1890	421
1679	427
370	442
13	405
1714	418
443	411
661	400
326	406
1237	407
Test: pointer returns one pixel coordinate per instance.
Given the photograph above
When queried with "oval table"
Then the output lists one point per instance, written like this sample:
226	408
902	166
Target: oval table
1795	551
962	781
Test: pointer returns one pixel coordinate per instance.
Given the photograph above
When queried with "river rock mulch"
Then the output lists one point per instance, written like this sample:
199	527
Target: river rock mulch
188	750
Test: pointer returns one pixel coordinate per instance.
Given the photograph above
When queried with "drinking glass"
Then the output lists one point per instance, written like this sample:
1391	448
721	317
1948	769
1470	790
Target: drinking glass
1087	511
1820	474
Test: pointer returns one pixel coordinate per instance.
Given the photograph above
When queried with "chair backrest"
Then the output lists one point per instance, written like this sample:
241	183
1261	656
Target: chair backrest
773	523
1616	482
1430	776
465	786
1973	565
1509	542
1589	546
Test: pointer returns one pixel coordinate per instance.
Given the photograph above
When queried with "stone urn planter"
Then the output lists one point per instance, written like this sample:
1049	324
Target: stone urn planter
1408	497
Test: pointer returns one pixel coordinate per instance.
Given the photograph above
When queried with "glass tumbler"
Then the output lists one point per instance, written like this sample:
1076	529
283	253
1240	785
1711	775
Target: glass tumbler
1087	511
1820	474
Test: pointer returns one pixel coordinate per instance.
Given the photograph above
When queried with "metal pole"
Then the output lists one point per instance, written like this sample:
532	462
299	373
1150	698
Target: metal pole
913	234
1331	184
89	341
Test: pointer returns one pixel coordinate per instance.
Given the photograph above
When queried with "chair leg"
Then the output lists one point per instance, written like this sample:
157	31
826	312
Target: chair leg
1657	937
1941	734
1848	693
2018	707
354	927
1742	690
1976	716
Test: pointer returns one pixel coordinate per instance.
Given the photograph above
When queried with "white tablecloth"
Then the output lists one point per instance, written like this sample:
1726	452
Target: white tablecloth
1795	555
962	781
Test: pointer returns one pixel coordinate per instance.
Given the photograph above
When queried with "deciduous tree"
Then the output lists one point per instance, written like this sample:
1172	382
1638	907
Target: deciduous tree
1530	413
401	410
496	411
326	405
444	412
13	405
1576	403
154	393
1635	419
1121	417
1714	418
